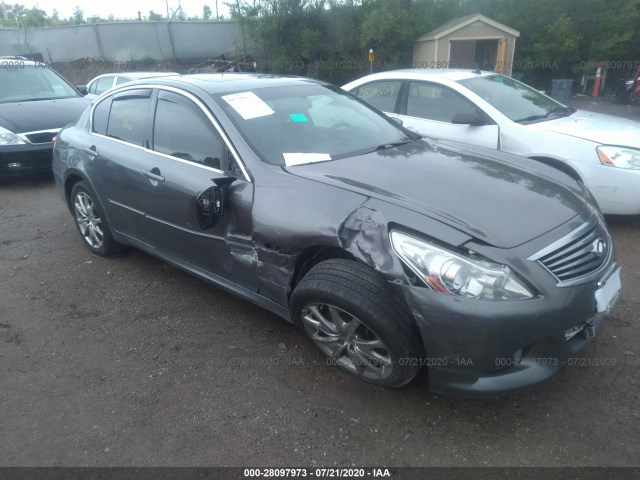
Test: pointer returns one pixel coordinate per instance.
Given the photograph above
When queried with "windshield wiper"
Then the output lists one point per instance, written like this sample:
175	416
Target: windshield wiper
562	111
386	146
365	151
558	111
532	117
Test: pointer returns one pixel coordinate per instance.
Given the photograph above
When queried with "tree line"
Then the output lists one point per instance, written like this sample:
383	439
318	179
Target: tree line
18	15
330	39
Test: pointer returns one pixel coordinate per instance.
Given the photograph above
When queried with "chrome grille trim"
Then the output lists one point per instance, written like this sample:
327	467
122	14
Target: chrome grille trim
574	259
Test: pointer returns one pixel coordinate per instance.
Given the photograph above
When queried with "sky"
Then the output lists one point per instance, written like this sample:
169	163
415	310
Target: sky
123	8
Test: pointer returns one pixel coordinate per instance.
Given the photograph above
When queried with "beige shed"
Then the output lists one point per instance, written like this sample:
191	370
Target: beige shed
467	42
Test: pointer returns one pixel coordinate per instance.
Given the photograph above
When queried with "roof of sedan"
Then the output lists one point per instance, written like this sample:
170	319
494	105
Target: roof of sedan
453	74
140	75
214	83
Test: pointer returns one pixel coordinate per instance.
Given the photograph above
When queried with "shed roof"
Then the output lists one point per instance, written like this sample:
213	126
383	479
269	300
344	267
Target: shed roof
461	22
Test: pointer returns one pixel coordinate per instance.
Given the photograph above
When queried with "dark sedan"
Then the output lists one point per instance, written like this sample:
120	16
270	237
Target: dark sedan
35	102
390	251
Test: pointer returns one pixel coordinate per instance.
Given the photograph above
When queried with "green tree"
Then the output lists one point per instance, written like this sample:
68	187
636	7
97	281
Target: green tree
206	12
559	38
155	17
389	29
560	46
78	15
34	17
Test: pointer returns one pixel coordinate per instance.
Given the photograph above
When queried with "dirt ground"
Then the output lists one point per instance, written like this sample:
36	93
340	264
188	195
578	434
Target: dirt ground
126	361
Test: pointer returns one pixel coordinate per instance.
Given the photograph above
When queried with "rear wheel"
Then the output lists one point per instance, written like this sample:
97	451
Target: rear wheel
90	221
348	312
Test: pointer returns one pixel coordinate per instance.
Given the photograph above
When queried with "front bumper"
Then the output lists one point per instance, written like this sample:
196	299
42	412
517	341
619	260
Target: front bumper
485	348
16	160
616	189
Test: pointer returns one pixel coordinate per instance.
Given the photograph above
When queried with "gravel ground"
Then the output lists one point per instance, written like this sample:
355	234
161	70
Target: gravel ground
126	361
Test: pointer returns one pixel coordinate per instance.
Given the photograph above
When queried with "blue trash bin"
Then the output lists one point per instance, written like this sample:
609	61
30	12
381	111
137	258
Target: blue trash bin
561	89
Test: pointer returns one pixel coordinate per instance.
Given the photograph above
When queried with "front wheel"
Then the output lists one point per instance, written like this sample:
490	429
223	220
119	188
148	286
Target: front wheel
348	312
90	221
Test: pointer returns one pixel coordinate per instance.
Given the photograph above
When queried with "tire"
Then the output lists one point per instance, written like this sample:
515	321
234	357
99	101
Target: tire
347	311
90	221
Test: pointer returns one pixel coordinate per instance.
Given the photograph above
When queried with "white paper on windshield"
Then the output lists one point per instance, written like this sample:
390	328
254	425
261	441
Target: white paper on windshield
248	105
291	159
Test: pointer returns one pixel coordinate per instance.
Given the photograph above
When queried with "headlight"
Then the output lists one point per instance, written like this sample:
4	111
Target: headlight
621	157
451	273
9	138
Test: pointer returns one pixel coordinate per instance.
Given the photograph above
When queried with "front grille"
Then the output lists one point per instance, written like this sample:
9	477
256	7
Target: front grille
40	137
577	257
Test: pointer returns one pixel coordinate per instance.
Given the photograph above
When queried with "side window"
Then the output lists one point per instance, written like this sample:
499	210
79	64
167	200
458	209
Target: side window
101	116
92	87
324	112
130	116
435	102
103	84
382	95
182	130
121	80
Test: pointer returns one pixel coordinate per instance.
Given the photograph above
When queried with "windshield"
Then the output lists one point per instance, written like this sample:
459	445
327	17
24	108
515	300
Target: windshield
308	123
32	82
515	100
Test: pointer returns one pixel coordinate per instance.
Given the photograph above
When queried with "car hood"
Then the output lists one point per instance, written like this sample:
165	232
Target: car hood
596	127
38	115
492	200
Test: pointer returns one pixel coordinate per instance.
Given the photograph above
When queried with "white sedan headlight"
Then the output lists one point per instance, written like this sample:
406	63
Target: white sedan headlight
621	157
452	273
9	138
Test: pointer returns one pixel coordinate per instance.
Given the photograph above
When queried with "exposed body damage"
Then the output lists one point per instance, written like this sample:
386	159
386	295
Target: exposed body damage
365	235
274	272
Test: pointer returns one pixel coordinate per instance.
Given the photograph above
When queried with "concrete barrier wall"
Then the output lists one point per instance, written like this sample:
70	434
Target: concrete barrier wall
197	40
121	42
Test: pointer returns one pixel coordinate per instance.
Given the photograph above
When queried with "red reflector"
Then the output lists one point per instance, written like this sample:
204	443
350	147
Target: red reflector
431	280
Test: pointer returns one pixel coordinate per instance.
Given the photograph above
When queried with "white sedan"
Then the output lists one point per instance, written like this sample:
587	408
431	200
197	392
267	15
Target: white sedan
100	84
494	111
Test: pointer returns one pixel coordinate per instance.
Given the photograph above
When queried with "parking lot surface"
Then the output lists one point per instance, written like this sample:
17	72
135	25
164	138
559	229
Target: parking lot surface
127	361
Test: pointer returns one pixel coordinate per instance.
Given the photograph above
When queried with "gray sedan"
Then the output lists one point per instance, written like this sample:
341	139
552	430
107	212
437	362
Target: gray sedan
392	253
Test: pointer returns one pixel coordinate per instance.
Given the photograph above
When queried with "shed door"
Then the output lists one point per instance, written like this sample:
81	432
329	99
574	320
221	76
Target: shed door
462	54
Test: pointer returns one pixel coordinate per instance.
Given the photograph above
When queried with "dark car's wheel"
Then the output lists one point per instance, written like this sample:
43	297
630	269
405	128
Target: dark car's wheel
348	312
90	221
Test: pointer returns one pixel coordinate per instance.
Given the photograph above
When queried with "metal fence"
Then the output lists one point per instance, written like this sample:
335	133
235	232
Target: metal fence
177	41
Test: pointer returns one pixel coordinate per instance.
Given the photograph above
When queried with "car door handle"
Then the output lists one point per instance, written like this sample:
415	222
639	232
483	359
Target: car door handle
153	176
91	151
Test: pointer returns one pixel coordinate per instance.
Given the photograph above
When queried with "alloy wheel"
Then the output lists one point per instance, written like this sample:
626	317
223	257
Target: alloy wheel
347	341
88	220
